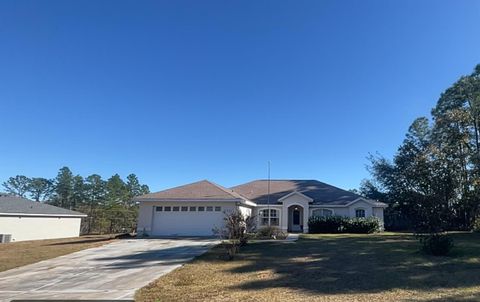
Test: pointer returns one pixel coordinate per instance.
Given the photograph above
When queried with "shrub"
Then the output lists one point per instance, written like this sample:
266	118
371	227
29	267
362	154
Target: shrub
332	224
476	225
234	232
436	244
338	224
270	232
361	225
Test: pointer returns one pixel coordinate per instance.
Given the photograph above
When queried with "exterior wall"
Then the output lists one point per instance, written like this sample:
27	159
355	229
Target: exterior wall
39	227
344	212
360	205
246	211
182	223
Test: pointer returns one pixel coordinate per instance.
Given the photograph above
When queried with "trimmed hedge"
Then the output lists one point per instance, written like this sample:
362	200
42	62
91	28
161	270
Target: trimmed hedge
338	224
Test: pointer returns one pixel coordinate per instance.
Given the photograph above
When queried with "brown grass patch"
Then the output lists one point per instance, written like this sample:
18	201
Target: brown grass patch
383	267
21	253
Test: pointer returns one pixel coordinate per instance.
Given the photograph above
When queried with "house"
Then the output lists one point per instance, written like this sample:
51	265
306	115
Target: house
25	219
195	209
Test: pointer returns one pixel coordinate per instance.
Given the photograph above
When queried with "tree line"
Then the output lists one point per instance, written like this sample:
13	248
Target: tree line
108	203
433	181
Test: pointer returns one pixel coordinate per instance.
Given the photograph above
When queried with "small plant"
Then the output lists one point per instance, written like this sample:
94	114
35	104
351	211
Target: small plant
436	244
234	232
270	232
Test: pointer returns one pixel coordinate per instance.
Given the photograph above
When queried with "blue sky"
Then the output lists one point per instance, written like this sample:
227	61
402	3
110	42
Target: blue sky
177	91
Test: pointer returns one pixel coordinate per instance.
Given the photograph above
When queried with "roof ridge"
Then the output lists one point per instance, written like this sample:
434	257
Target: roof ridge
226	190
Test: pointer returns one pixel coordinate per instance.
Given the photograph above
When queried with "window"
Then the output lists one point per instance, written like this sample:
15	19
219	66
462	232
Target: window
176	209
158	209
193	209
168	209
359	213
201	209
269	215
209	209
322	213
218	209
184	209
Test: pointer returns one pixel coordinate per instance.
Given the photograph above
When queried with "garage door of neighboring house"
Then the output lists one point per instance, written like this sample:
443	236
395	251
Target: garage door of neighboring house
186	220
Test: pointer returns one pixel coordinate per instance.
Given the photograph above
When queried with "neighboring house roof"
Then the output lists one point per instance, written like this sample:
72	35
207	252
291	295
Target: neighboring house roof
319	192
198	191
10	205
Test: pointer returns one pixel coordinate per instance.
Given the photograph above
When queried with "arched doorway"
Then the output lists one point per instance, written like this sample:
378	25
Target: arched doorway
295	218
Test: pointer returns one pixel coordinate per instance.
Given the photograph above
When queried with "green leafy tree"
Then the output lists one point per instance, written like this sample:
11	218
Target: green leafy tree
40	189
434	178
17	185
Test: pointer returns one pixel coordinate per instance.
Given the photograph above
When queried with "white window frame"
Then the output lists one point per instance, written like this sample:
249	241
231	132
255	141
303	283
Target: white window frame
360	209
322	212
273	220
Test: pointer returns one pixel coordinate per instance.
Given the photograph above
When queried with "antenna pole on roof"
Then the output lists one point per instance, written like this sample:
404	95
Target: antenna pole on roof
268	194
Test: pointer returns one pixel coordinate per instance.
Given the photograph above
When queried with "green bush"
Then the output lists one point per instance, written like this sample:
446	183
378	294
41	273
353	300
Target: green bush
319	224
361	225
476	225
436	244
338	224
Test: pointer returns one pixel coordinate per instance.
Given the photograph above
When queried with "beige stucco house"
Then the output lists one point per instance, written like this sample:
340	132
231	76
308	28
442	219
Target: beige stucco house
22	219
195	209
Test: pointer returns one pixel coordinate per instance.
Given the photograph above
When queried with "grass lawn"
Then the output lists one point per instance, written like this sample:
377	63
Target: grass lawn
16	254
380	267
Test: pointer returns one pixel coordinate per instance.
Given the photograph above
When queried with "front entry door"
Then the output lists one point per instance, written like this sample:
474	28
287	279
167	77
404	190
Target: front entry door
296	221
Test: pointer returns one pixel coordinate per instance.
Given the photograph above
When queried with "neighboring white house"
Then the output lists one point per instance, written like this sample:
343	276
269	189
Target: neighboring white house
25	219
195	209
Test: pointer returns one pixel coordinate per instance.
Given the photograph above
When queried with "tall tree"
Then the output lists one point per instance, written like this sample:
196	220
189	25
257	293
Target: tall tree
135	188
79	192
64	188
95	190
17	185
117	191
40	188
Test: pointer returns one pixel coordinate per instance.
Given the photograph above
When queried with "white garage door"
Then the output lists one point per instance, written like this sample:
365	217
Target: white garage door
186	220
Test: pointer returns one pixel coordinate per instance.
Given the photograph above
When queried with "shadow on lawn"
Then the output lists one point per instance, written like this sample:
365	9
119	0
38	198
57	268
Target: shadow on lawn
361	264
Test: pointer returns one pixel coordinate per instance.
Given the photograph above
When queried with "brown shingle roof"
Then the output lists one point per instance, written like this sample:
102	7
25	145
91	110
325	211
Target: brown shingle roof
321	193
10	204
201	190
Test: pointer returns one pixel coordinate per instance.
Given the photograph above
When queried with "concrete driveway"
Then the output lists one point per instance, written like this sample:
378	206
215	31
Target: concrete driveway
112	271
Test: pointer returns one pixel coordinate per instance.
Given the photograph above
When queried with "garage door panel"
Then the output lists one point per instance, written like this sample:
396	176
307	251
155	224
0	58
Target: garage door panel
186	223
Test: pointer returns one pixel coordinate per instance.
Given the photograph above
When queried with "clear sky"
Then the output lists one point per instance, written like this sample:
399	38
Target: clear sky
178	91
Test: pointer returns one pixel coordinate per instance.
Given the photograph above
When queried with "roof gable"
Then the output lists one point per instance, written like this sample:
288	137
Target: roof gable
200	190
295	193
